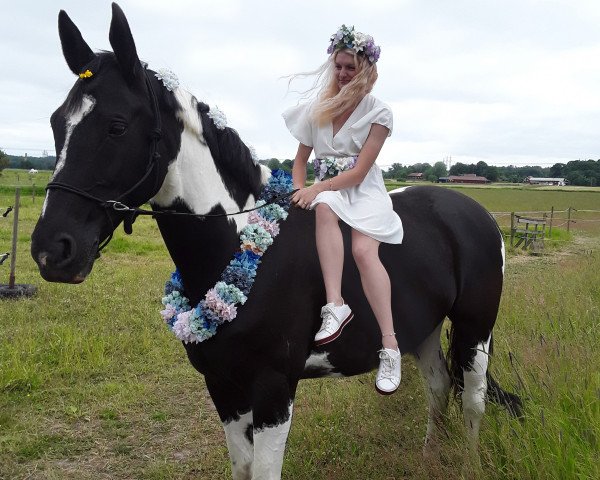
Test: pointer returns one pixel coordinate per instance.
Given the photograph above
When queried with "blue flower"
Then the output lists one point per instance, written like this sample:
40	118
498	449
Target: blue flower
230	293
240	277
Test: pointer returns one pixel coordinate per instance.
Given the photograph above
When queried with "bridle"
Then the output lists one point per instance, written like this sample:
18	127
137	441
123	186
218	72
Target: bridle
130	214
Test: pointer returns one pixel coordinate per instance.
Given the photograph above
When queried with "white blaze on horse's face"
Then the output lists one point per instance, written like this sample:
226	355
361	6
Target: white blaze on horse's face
87	105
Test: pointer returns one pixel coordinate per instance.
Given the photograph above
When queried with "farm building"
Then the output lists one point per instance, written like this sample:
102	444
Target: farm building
466	178
561	182
415	176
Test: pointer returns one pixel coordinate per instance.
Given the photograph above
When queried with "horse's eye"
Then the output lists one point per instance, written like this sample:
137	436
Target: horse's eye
117	129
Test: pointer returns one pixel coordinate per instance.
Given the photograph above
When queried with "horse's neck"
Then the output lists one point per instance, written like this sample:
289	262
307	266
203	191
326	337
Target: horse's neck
199	248
193	177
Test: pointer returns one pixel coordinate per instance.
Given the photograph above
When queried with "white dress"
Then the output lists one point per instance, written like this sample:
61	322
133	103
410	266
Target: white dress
366	207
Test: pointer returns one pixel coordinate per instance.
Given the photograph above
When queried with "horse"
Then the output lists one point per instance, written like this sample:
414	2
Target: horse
124	138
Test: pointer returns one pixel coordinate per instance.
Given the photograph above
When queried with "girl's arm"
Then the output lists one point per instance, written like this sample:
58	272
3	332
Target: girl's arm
299	168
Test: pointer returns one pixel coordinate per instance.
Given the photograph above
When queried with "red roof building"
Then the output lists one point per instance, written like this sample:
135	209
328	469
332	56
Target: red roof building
468	178
415	176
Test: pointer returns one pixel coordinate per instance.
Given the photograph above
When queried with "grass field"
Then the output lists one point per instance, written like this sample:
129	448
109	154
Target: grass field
92	386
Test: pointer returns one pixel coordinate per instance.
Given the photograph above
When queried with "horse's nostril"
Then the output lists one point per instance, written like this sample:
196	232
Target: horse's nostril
67	249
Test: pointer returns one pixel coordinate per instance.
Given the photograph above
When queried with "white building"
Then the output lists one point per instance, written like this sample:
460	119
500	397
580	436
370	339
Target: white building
561	182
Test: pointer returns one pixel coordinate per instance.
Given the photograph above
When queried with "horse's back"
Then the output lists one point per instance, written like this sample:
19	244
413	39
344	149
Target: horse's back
460	248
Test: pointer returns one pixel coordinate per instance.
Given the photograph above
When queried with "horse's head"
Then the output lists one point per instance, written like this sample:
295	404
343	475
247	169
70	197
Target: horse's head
106	135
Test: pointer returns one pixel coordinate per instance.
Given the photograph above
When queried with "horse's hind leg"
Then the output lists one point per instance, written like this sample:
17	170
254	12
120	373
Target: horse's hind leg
474	391
432	364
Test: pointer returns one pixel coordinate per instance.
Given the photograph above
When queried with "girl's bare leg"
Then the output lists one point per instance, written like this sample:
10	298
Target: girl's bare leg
376	284
330	246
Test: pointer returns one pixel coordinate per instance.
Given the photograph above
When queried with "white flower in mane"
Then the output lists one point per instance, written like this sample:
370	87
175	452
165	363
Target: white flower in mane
218	117
169	79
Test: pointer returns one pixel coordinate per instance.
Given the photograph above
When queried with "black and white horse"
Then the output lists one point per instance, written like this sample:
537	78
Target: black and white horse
450	264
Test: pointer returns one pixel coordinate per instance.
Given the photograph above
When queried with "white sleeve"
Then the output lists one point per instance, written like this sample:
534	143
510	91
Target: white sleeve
380	114
297	120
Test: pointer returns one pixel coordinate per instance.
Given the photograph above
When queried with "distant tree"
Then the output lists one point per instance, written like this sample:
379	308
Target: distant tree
396	172
439	170
3	160
481	168
274	164
419	168
461	169
491	173
287	165
26	164
557	170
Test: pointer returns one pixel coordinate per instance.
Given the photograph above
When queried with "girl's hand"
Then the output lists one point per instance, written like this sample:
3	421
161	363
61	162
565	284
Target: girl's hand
305	196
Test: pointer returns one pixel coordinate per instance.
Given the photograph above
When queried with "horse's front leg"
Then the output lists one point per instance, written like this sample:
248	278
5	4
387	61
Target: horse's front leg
234	409
272	415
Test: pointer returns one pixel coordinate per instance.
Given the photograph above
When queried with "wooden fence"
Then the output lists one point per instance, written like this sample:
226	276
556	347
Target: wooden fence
531	229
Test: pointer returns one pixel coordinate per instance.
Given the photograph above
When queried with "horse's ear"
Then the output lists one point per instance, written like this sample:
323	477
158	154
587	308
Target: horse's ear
77	53
123	45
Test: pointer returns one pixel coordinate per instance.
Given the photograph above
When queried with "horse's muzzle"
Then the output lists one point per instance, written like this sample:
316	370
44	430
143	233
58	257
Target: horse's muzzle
60	258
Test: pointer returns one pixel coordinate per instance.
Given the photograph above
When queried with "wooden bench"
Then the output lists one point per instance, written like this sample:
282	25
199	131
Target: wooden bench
528	231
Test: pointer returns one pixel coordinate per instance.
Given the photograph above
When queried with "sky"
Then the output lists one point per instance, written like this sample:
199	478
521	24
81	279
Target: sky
512	82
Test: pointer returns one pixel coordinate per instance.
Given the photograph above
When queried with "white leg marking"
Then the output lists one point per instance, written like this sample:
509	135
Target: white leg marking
320	362
193	176
87	104
475	387
241	450
503	252
432	364
269	447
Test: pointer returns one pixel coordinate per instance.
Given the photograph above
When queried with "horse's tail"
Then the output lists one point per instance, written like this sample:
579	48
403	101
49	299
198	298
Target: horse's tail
457	362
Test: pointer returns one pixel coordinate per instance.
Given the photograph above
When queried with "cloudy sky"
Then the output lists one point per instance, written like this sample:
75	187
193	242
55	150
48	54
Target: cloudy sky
507	82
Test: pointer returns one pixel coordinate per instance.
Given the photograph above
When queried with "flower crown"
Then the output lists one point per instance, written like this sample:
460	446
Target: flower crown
359	42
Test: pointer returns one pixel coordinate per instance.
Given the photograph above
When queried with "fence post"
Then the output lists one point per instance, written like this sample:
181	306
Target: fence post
551	219
512	229
13	254
569	219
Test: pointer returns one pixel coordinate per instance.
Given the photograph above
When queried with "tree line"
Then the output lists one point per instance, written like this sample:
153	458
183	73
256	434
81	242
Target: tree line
26	162
577	172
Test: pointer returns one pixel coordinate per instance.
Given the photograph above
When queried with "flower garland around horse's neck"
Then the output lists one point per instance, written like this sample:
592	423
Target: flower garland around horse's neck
199	323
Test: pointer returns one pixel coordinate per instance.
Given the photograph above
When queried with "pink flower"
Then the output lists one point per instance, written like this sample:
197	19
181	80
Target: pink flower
212	299
270	227
181	327
228	312
254	217
168	312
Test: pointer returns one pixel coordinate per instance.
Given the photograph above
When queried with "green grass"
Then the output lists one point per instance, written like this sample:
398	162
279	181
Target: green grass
93	386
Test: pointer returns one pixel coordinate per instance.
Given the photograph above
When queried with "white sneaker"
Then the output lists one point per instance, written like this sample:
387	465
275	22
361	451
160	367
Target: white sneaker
388	375
335	318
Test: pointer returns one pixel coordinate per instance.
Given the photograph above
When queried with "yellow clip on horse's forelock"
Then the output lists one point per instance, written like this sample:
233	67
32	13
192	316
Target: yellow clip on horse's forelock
86	74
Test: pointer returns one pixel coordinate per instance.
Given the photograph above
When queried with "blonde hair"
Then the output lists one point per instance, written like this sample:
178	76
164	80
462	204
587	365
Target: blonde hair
333	101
